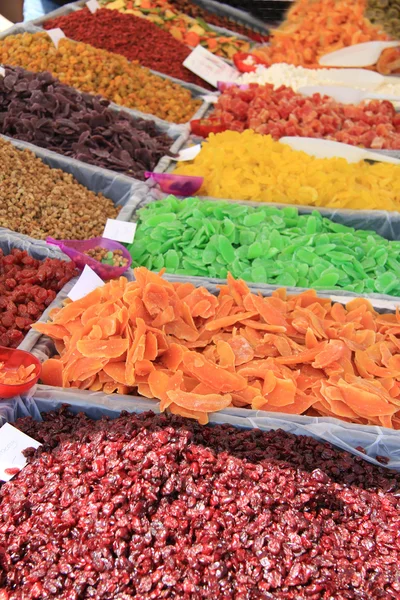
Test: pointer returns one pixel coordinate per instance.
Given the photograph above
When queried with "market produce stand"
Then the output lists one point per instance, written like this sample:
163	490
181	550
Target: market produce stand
207	404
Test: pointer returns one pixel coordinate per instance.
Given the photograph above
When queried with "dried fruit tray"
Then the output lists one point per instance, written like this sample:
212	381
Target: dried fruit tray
122	190
375	440
38	250
385	223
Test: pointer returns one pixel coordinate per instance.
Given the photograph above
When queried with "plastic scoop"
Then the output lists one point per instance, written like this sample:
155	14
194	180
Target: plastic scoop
13	359
75	250
345	95
360	77
359	55
180	185
330	149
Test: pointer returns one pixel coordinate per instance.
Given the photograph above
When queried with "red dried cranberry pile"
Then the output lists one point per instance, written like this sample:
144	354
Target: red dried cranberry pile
283	112
151	507
27	287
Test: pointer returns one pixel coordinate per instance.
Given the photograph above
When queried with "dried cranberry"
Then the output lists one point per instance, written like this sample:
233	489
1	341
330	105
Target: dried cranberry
151	507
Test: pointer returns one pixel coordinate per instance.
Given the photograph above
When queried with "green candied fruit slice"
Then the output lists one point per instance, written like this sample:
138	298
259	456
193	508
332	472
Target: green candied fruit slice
171	260
209	254
386	282
263	244
258	274
160	218
326	281
255	250
247	237
226	249
254	219
158	262
286	279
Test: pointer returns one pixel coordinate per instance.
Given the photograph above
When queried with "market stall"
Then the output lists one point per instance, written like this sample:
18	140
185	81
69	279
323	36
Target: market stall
199	302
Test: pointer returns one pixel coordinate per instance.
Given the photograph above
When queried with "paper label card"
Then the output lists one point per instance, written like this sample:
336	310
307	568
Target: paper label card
87	282
189	153
119	231
12	443
209	67
2	72
56	35
93	5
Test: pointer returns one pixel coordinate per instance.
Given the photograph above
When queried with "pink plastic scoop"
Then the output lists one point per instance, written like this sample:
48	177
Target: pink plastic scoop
180	185
75	250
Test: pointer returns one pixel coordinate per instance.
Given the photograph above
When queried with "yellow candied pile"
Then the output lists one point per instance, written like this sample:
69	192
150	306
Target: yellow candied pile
97	71
251	166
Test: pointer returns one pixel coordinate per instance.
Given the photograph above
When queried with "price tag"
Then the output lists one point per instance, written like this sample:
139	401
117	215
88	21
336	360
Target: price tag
87	282
119	231
189	153
2	71
56	35
209	67
93	5
12	443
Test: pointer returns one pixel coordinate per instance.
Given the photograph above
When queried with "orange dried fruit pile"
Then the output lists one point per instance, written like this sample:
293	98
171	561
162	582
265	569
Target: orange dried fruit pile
198	353
316	27
16	376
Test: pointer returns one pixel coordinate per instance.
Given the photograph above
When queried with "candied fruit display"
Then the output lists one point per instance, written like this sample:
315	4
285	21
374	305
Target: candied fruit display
198	353
27	287
150	507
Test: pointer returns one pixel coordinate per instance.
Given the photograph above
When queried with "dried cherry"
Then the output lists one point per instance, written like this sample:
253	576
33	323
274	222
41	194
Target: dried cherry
27	287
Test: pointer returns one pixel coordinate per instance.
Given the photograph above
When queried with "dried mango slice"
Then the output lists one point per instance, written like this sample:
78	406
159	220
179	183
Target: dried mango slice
202	403
112	348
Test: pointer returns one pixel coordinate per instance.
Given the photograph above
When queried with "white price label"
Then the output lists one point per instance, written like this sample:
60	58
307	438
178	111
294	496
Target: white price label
93	5
2	71
56	35
87	282
209	67
189	153
12	443
119	231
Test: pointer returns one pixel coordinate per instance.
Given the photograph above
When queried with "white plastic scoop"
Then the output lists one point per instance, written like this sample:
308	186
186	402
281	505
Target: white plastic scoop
351	77
330	149
360	55
345	95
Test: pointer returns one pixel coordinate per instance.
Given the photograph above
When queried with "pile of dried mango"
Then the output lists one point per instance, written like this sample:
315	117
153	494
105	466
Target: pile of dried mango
198	353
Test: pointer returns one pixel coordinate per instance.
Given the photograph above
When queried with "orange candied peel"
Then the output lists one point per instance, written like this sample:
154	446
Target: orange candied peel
16	376
197	352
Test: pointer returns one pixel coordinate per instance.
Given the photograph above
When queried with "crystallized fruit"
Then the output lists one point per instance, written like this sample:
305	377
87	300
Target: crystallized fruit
251	166
37	108
39	201
199	353
282	112
264	245
151	507
135	38
96	71
27	287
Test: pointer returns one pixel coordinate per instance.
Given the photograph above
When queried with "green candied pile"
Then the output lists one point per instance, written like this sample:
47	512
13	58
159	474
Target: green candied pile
263	245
